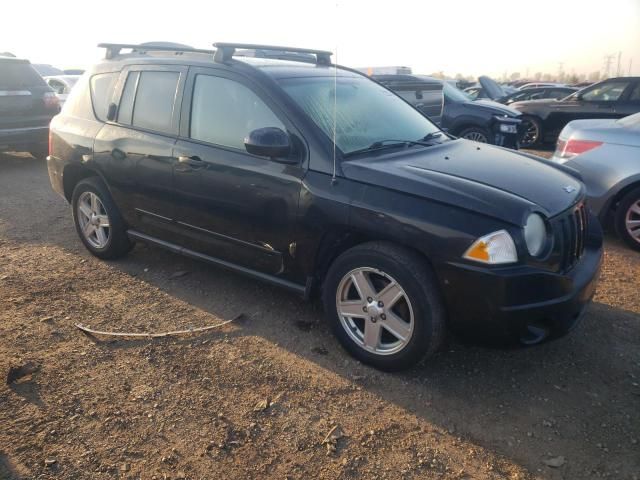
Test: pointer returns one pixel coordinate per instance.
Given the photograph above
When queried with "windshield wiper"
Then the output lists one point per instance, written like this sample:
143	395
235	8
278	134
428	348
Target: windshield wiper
431	136
390	143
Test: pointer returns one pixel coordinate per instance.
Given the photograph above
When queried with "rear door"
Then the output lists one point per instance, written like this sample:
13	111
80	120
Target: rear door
233	205
22	102
135	149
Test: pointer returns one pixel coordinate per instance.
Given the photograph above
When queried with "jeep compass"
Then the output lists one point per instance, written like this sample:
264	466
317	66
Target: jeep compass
316	178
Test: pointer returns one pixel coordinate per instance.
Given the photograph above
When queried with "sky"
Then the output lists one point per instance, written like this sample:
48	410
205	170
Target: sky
471	37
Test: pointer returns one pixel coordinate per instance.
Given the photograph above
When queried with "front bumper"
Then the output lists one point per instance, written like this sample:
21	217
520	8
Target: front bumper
24	139
503	304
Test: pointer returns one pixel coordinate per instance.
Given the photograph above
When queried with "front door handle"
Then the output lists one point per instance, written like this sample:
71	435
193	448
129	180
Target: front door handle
193	161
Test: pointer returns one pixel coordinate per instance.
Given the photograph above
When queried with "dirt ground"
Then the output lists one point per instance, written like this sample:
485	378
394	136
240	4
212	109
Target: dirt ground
257	398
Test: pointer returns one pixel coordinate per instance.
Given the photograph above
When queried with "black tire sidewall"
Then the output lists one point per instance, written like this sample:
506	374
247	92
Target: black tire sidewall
118	243
538	124
621	211
422	300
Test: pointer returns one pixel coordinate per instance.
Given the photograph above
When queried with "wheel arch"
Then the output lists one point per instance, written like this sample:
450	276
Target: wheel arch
337	241
74	173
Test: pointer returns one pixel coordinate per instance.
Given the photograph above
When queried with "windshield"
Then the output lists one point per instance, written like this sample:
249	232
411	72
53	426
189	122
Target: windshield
452	93
15	75
365	112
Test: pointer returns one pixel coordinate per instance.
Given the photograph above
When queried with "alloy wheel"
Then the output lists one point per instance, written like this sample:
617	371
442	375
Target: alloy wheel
476	137
632	221
375	311
531	133
93	220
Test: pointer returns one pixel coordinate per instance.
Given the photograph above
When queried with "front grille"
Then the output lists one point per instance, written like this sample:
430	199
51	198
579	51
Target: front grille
574	231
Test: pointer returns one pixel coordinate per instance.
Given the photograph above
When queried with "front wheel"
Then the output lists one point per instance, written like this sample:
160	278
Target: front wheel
384	306
628	219
476	134
532	135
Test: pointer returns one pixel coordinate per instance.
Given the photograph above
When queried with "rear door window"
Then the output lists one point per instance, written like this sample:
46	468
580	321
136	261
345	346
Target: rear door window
16	75
155	100
606	92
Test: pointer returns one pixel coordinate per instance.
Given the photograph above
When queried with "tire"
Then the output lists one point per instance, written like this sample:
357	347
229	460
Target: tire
532	135
627	213
114	242
419	306
39	154
476	134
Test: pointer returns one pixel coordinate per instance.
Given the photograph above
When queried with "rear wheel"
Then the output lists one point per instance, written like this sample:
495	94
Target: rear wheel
628	219
476	134
98	221
532	135
384	306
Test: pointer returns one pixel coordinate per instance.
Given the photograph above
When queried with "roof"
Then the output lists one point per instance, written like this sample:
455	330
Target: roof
275	68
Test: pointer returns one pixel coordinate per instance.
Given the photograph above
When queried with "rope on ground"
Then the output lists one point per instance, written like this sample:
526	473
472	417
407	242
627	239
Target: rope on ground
187	331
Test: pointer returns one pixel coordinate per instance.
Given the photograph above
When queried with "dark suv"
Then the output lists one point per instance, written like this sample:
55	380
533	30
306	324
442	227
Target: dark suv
27	105
313	177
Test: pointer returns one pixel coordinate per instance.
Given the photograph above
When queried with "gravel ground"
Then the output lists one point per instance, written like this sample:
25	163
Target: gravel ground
259	397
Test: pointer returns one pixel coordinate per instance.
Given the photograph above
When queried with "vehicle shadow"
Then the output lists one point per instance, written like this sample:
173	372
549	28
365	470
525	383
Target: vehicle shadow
564	396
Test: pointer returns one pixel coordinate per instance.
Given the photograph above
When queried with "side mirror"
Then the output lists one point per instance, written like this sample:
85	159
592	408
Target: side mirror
111	112
269	142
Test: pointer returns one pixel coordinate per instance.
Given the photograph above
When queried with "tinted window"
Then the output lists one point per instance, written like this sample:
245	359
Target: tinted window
78	103
224	112
125	112
606	92
155	100
101	91
559	93
16	75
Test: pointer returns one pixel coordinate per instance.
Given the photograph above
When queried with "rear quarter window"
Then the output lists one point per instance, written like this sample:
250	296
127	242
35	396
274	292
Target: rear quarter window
78	103
19	75
102	86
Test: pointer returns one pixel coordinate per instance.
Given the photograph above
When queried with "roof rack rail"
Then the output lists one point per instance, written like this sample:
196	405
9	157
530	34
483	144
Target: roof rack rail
225	51
113	49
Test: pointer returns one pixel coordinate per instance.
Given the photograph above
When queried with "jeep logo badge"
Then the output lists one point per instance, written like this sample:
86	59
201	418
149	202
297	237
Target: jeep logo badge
569	188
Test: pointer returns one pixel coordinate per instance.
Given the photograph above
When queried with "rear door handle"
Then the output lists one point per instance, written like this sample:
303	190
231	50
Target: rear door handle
193	161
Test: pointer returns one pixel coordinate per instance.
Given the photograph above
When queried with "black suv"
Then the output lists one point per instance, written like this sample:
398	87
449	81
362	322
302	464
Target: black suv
316	178
27	105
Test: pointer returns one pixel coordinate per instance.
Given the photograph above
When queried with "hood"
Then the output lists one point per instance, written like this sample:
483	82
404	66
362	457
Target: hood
491	88
489	180
497	108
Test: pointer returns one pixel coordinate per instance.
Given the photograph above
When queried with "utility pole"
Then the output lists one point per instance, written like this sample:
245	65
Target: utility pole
608	59
618	70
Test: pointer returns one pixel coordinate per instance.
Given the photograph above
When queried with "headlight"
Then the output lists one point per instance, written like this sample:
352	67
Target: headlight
494	249
508	128
535	234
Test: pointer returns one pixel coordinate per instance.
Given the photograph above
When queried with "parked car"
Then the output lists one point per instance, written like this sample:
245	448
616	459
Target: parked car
607	154
402	230
73	71
47	70
538	93
612	98
62	85
451	109
526	86
27	105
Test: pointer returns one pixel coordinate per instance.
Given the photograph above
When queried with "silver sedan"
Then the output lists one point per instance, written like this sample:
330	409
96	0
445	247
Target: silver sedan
607	154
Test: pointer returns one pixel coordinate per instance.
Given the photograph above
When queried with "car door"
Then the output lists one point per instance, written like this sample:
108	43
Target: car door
599	101
232	205
135	148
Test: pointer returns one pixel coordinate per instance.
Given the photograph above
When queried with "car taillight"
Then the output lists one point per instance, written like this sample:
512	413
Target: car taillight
50	100
50	142
570	148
